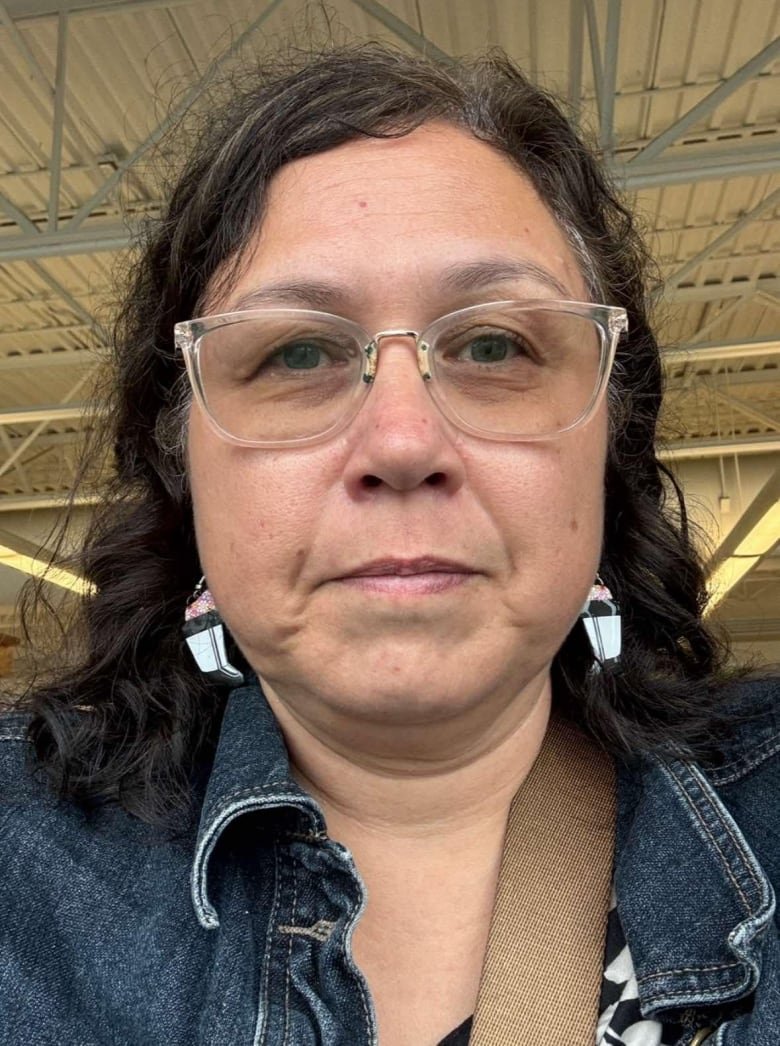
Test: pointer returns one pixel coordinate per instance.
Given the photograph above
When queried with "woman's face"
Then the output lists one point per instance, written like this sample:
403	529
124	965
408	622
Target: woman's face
488	548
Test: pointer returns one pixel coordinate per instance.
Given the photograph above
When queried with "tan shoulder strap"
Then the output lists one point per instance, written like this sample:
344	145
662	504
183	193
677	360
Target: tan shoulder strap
543	965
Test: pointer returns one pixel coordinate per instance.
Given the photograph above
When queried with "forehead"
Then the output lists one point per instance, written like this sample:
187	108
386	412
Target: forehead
391	215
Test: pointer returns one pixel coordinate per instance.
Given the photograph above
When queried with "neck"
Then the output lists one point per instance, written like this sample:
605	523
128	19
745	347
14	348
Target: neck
423	785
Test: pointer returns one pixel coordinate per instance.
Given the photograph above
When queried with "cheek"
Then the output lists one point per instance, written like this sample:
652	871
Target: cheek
549	503
256	513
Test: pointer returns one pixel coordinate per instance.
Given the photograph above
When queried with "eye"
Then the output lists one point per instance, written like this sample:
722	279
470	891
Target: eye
486	346
491	347
301	356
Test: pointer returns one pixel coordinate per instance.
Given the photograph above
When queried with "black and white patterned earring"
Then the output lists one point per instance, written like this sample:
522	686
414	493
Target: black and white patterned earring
204	634
601	617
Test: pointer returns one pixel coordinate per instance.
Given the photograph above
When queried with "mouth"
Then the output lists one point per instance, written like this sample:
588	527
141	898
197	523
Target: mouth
422	575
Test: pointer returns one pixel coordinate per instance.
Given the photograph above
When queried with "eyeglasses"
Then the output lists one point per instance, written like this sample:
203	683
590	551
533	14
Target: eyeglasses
508	370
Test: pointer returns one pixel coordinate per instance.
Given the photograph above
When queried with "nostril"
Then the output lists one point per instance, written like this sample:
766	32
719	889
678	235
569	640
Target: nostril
435	479
371	481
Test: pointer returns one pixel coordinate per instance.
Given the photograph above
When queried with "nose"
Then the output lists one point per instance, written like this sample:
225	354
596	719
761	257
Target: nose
400	440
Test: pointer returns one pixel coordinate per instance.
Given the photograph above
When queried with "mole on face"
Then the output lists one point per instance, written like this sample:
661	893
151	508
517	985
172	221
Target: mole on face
362	203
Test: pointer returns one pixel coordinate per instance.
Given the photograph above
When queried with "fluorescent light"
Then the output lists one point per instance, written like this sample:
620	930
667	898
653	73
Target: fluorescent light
38	568
24	556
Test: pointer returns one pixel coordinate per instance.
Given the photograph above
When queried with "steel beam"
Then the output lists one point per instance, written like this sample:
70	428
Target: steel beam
741	134
24	138
753	348
402	29
59	118
717	447
718	291
764	501
728	234
30	415
33	361
721	379
609	78
175	115
90	240
667	89
39	76
20	471
18	216
697	167
717	318
595	52
30	10
27	440
576	18
746	408
709	103
84	315
28	503
771	301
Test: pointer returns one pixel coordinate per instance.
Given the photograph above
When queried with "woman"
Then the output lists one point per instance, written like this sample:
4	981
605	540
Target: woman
404	462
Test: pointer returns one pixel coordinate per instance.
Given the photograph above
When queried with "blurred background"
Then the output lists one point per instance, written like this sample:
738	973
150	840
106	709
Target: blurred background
682	98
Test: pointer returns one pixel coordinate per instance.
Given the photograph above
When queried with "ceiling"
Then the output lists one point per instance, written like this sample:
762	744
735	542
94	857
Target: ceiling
682	97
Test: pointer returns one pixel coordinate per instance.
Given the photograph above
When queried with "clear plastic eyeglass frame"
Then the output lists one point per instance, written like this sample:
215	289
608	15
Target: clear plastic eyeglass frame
609	321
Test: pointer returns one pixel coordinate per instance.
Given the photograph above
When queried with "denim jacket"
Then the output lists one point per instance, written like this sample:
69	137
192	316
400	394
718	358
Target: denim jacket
238	932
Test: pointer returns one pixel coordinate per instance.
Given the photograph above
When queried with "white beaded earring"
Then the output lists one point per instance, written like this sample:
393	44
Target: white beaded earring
204	634
601	617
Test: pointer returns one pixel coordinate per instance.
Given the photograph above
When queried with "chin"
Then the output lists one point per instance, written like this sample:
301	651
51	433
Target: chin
399	706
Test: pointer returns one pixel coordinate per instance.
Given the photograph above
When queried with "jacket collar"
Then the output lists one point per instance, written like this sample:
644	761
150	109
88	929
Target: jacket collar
251	772
693	900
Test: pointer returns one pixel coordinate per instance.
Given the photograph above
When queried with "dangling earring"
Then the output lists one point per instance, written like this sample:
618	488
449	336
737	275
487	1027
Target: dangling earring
601	617
205	635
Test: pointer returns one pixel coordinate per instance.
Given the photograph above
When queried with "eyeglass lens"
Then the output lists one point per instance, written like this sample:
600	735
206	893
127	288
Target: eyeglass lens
517	372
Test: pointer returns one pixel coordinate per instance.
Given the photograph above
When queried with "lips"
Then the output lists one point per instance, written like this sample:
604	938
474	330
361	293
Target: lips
408	567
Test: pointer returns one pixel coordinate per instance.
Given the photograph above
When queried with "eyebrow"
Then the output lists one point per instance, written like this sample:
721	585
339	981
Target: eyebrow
479	274
314	294
307	294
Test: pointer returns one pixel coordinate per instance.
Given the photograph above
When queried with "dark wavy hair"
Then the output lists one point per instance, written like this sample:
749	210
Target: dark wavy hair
130	720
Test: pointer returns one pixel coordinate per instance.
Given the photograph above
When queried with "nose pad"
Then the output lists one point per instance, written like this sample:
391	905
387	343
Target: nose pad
372	353
402	440
421	356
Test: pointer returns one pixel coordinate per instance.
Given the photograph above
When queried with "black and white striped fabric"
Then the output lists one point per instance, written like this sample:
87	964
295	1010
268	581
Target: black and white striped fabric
621	1022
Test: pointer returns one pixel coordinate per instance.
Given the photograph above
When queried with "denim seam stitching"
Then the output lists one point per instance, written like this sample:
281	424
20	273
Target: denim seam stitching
262	1016
356	973
293	908
739	767
231	797
738	887
685	992
229	808
738	845
689	969
13	737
